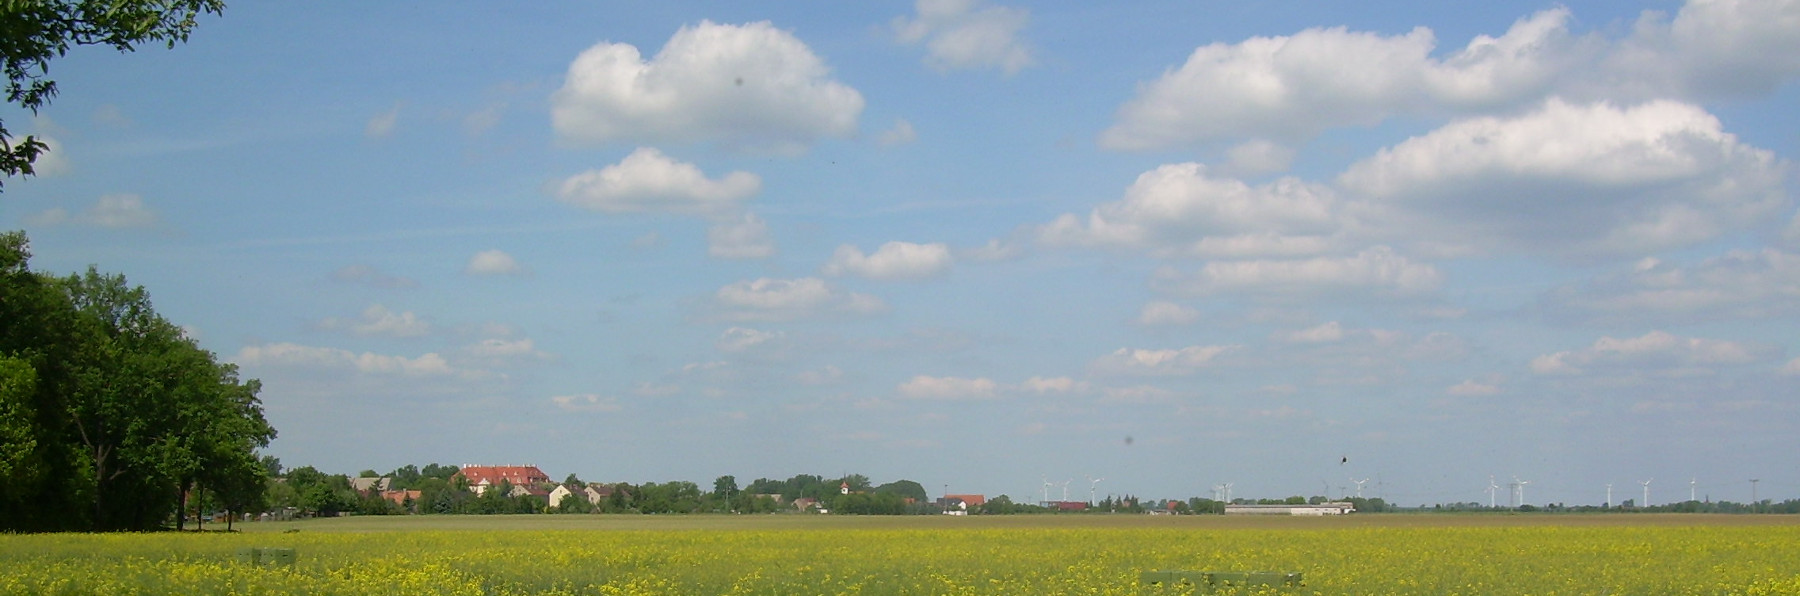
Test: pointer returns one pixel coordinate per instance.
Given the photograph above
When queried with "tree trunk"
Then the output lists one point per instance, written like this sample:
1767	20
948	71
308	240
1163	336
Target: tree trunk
181	507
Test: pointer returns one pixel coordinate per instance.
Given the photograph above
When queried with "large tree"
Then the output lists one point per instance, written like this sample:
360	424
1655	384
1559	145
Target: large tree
32	32
110	414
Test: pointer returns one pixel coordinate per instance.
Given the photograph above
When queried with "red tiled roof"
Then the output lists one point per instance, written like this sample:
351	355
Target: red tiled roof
970	500
515	475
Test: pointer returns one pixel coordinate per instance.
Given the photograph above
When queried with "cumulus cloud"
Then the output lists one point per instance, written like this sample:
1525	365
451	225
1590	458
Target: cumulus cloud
1290	88
587	402
785	299
1379	269
1162	313
893	261
370	276
647	181
1293	87
1711	49
963	34
1738	285
289	355
377	320
747	86
743	339
1657	350
53	161
949	388
1126	361
744	238
1184	210
493	262
1575	178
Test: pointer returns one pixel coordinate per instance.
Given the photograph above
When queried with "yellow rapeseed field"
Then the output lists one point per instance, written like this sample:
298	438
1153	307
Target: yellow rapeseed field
796	555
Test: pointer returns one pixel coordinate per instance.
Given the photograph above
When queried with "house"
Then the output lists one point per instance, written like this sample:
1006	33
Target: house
528	490
482	477
399	497
366	484
961	504
1331	508
806	504
594	493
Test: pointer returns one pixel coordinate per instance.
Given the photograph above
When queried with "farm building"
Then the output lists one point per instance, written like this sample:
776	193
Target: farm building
1332	508
482	477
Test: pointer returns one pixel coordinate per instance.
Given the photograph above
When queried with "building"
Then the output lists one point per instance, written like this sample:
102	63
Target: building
1332	508
482	477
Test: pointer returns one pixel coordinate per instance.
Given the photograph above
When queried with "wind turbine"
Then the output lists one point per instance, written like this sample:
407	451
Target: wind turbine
1066	489
1228	492
1691	483
1491	489
1092	483
1359	485
1646	484
1609	495
1521	484
1046	489
1219	492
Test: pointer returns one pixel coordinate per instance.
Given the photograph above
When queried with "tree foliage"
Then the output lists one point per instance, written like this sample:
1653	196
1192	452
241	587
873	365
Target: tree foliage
111	415
32	32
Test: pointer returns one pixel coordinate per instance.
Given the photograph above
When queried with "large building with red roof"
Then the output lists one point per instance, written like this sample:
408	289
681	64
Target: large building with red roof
482	477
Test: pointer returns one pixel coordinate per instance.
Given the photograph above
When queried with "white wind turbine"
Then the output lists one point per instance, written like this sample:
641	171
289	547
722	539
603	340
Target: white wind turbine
1046	489
1609	495
1492	488
1692	482
1066	489
1646	484
1359	485
1092	484
1228	492
1521	484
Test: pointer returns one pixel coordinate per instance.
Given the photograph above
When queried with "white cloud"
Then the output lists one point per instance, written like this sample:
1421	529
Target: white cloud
53	161
962	34
496	349
587	402
823	376
901	134
1044	385
379	321
493	262
370	276
1182	210
783	299
1326	333
1656	350
1136	395
1737	285
1163	313
1591	178
289	355
1257	157
1711	49
949	388
1161	362
1376	268
893	261
1472	388
1293	87
742	238
381	125
647	181
111	211
748	86
742	339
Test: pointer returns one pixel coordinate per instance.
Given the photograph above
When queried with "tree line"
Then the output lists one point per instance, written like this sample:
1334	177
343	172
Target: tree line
111	417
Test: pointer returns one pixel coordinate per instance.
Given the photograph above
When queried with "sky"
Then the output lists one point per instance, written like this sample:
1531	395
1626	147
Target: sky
1141	248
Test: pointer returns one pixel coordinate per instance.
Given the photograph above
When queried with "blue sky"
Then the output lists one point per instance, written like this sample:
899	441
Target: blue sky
973	244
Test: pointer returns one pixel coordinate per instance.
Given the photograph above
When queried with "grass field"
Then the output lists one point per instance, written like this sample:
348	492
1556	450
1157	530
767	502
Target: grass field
790	554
